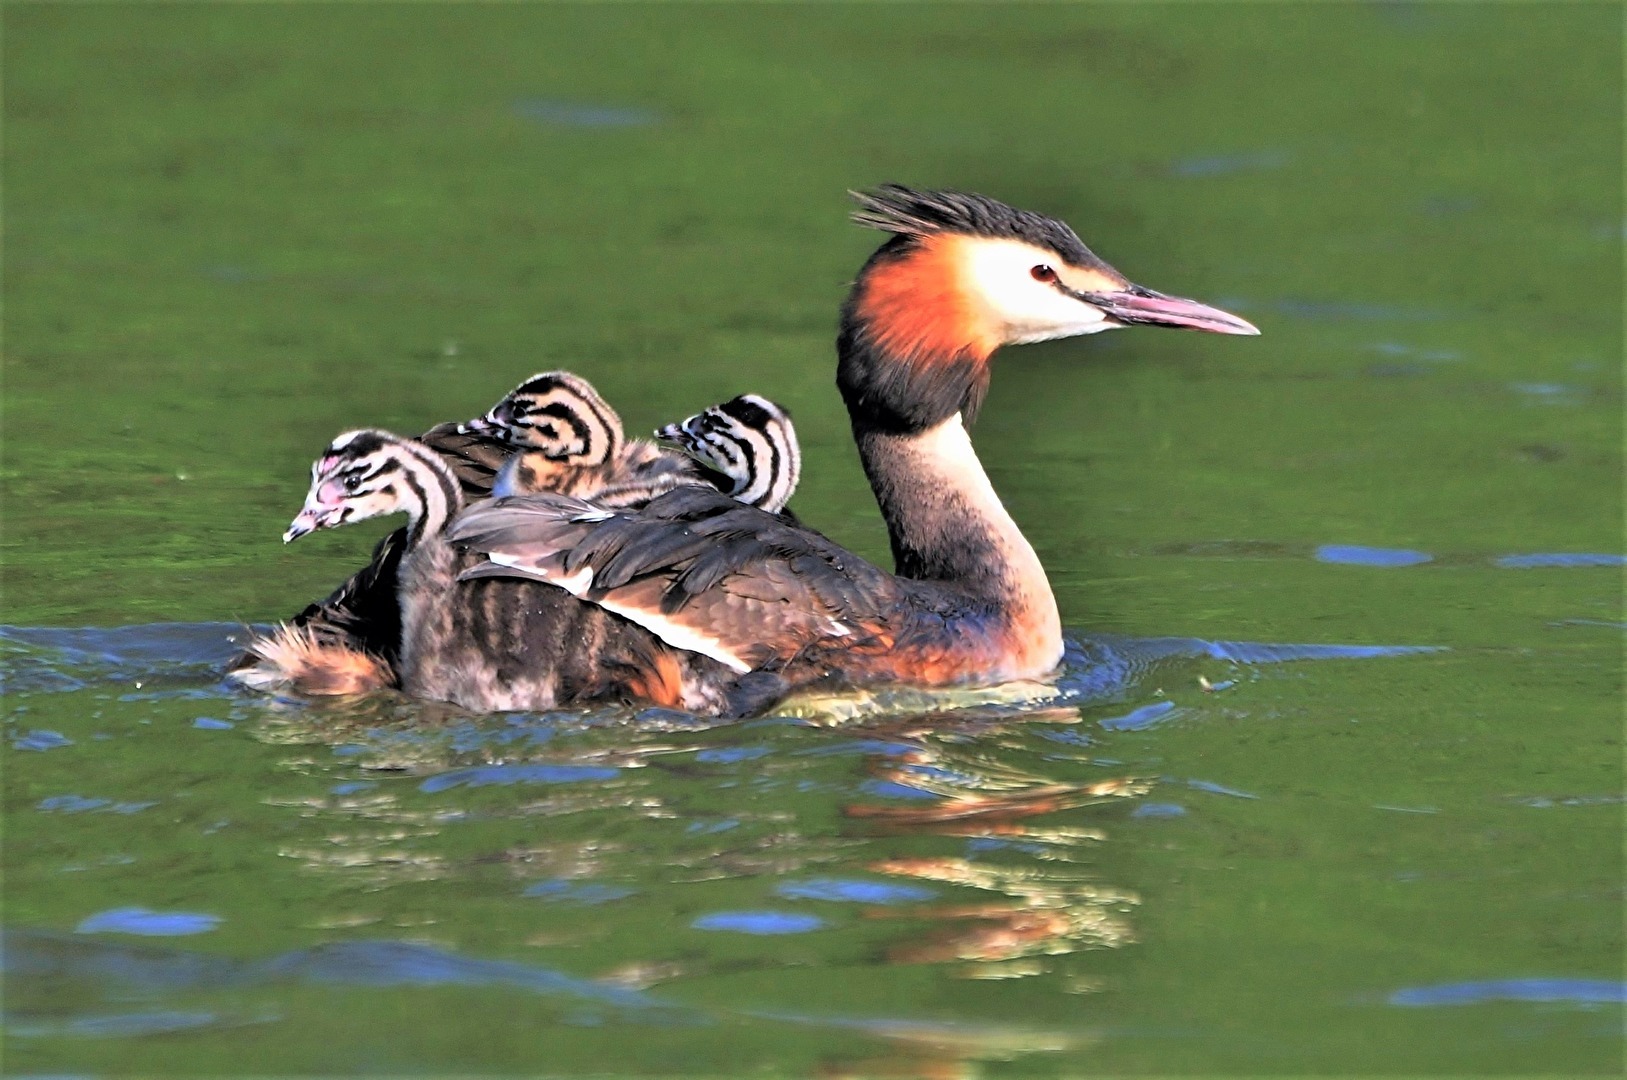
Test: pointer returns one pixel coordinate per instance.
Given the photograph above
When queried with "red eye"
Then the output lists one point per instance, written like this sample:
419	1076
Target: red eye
1044	273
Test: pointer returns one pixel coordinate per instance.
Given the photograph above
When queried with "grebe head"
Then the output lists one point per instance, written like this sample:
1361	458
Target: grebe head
751	441
368	473
963	275
557	414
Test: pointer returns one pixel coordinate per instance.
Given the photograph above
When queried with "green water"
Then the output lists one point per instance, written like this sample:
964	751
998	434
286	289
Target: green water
232	231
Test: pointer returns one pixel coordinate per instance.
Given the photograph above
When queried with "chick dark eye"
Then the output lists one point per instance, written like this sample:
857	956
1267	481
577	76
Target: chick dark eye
1043	273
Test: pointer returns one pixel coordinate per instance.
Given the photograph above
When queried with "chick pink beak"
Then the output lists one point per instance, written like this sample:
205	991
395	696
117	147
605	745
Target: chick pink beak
324	508
307	521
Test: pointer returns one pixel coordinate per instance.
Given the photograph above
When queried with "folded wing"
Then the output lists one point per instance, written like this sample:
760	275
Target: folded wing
696	568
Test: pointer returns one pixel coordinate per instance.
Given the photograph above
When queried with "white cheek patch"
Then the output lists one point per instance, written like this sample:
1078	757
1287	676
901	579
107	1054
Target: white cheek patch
999	273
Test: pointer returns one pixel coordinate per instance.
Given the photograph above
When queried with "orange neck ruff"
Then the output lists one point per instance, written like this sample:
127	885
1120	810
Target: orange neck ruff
919	310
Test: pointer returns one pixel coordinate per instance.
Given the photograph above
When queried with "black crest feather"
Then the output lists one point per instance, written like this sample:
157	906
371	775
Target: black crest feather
905	211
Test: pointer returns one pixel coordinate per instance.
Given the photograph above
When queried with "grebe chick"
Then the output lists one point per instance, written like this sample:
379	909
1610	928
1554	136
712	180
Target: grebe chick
554	432
490	645
569	441
751	442
959	277
363	615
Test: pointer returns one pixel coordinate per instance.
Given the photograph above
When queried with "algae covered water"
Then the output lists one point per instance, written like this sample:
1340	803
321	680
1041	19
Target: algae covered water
1331	781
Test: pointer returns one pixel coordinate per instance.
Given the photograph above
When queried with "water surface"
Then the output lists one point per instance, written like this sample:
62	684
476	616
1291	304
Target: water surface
1331	782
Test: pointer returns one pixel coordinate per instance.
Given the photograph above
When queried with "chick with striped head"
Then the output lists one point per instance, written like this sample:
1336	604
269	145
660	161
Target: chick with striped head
566	436
569	441
751	442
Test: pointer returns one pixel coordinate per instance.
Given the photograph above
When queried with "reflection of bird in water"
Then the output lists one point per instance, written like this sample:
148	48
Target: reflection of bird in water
1049	902
1050	912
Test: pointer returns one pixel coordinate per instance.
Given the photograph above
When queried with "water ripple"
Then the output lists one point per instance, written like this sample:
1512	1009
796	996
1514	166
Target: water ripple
1097	667
1561	558
1357	555
42	955
137	920
759	922
517	774
1580	991
852	891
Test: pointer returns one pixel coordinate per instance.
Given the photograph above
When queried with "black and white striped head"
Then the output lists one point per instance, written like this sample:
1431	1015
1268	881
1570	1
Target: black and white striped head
751	441
369	473
558	415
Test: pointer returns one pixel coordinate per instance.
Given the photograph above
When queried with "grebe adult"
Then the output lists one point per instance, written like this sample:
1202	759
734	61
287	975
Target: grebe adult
960	276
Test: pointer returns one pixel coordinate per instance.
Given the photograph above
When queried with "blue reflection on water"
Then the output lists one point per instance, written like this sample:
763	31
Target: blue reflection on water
58	658
867	747
70	804
1158	810
1561	558
1066	735
887	789
577	892
78	804
115	1025
484	775
578	114
137	920
1357	555
1144	717
725	755
1248	652
758	922
1096	668
853	891
978	844
1582	991
40	740
34	954
1218	789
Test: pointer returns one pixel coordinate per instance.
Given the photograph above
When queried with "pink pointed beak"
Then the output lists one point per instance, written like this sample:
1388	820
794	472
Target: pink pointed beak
1135	306
324	508
305	522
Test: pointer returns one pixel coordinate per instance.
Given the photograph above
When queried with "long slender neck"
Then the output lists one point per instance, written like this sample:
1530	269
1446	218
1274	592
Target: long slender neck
433	496
943	517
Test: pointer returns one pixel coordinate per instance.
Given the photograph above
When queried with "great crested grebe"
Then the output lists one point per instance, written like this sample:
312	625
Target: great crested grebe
751	442
568	440
960	276
492	645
